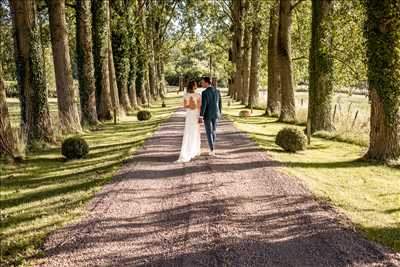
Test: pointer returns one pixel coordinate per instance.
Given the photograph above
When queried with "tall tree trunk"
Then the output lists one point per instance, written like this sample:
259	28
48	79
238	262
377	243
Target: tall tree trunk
238	9
35	113
115	100
84	47
101	36
7	138
132	27
288	109
114	90
383	53
120	48
255	58
231	58
321	67
273	96
161	75
152	78
141	72
67	107
244	96
152	72
132	84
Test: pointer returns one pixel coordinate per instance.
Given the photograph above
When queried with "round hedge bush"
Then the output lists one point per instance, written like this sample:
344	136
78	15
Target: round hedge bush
144	115
291	139
244	113
74	148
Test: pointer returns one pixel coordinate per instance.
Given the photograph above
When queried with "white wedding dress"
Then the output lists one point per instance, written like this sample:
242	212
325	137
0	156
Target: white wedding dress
191	141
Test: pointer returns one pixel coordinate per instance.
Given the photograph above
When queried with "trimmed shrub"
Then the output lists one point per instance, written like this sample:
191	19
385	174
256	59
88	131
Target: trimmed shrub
75	148
244	113
291	139
144	115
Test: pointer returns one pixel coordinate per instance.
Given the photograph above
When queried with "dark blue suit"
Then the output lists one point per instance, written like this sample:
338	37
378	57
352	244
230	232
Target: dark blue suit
211	108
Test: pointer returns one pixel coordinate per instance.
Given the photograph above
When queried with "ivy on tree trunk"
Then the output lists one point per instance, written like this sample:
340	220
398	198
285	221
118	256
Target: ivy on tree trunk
321	66
84	47
255	58
120	48
31	75
273	97
383	52
101	35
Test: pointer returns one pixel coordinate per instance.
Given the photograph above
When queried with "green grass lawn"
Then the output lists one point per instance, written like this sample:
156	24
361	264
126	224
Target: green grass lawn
369	194
44	192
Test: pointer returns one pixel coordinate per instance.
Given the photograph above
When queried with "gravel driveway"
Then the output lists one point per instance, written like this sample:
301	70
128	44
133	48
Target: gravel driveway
232	210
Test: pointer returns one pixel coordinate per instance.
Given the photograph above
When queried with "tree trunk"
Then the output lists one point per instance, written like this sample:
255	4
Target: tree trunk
244	95
7	139
149	37
383	54
84	47
255	58
161	75
288	110
101	36
35	113
321	67
67	107
238	9
141	71
273	96
132	89
120	48
115	100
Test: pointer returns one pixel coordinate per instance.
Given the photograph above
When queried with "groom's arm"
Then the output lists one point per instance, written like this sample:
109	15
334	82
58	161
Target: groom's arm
220	102
203	104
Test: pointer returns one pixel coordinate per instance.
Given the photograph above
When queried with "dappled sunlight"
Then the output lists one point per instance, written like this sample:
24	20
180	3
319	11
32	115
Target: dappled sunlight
332	170
45	191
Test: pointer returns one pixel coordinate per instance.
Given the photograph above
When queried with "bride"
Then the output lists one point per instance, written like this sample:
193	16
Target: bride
191	135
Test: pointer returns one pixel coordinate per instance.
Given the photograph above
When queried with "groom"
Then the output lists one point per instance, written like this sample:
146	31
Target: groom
211	109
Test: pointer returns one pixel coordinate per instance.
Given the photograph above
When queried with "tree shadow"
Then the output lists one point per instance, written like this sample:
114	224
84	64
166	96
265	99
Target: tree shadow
288	231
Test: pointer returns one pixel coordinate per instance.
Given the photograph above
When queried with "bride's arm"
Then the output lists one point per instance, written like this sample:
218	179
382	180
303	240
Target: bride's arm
199	103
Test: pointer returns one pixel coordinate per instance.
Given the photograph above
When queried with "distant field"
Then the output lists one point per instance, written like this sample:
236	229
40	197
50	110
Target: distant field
351	117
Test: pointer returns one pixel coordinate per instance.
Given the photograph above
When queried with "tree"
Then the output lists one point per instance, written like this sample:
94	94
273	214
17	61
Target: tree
67	107
7	140
237	15
273	62
115	100
244	92
120	48
383	52
149	37
288	110
141	70
255	56
321	67
101	35
35	116
84	47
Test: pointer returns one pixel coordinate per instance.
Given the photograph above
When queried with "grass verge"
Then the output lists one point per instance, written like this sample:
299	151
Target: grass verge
45	192
369	194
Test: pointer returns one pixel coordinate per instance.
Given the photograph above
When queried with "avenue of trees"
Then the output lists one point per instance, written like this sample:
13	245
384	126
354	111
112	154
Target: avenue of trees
121	50
380	43
115	49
